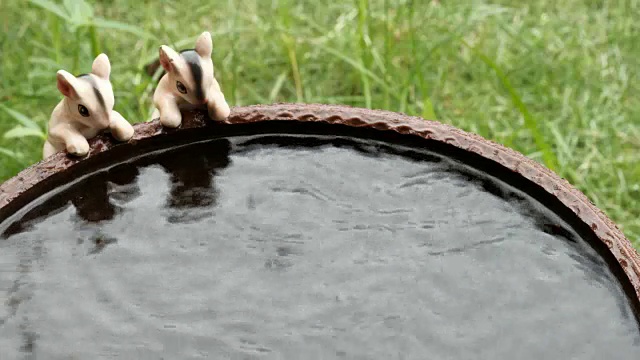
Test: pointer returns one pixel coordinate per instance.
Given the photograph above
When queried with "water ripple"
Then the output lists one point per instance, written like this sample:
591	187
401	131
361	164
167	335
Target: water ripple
275	251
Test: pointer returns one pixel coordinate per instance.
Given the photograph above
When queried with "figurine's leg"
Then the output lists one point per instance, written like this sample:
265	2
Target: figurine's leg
155	114
75	143
169	113
217	105
120	128
48	150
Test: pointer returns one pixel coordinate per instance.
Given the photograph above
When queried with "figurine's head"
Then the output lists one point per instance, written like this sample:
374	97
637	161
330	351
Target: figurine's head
190	72
89	96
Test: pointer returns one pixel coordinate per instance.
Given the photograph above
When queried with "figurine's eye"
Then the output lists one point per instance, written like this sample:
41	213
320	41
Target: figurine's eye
181	87
83	110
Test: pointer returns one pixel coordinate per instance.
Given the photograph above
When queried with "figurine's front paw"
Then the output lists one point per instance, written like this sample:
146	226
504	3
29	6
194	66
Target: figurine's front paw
120	128
219	111
171	120
78	149
122	133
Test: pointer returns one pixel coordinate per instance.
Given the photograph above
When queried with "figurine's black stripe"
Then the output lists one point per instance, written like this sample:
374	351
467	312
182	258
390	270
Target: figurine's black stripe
93	83
193	60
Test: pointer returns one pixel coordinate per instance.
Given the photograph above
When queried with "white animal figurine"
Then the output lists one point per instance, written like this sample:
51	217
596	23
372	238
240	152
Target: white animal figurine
85	111
188	83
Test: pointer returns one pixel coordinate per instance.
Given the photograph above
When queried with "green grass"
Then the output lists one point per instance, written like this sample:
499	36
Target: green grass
556	80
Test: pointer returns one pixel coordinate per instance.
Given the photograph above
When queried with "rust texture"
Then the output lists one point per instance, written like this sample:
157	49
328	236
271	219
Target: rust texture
571	197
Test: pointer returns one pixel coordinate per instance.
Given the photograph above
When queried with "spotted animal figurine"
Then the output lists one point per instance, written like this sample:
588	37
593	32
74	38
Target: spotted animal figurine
188	83
85	111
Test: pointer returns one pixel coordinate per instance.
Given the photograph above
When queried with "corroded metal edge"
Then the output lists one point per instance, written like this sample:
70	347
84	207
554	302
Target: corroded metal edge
571	197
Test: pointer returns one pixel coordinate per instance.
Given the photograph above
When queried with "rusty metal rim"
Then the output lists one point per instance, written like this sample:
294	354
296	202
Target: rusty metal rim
605	230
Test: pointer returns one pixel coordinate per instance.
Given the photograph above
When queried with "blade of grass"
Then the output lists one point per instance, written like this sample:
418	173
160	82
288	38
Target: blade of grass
387	52
76	52
289	43
95	42
233	20
277	86
256	95
56	37
44	62
548	157
361	68
364	57
44	48
339	99
21	132
403	100
21	118
290	47
427	106
79	11
51	7
15	156
116	25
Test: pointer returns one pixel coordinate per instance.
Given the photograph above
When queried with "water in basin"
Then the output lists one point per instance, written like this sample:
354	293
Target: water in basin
299	247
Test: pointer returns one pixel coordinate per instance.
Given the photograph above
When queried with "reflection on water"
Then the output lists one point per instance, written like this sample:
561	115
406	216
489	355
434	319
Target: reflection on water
328	249
101	197
192	184
92	200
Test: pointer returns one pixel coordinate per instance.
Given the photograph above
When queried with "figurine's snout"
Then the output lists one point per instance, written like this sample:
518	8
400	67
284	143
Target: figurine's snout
105	121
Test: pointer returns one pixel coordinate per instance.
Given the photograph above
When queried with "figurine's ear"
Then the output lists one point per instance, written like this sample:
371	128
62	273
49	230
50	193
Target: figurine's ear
66	83
101	66
167	58
204	45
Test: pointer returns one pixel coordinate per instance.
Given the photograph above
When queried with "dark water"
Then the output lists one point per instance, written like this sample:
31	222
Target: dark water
250	250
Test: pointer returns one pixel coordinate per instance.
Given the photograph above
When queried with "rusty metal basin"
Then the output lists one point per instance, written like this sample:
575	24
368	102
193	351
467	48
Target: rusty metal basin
296	229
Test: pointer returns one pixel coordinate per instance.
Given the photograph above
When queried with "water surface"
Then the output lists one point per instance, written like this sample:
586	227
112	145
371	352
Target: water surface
250	249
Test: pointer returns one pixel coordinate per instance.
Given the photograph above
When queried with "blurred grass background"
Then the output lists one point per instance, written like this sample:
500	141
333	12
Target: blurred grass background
556	80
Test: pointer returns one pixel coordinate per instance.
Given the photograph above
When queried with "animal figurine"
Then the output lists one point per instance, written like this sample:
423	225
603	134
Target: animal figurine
85	111
188	83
